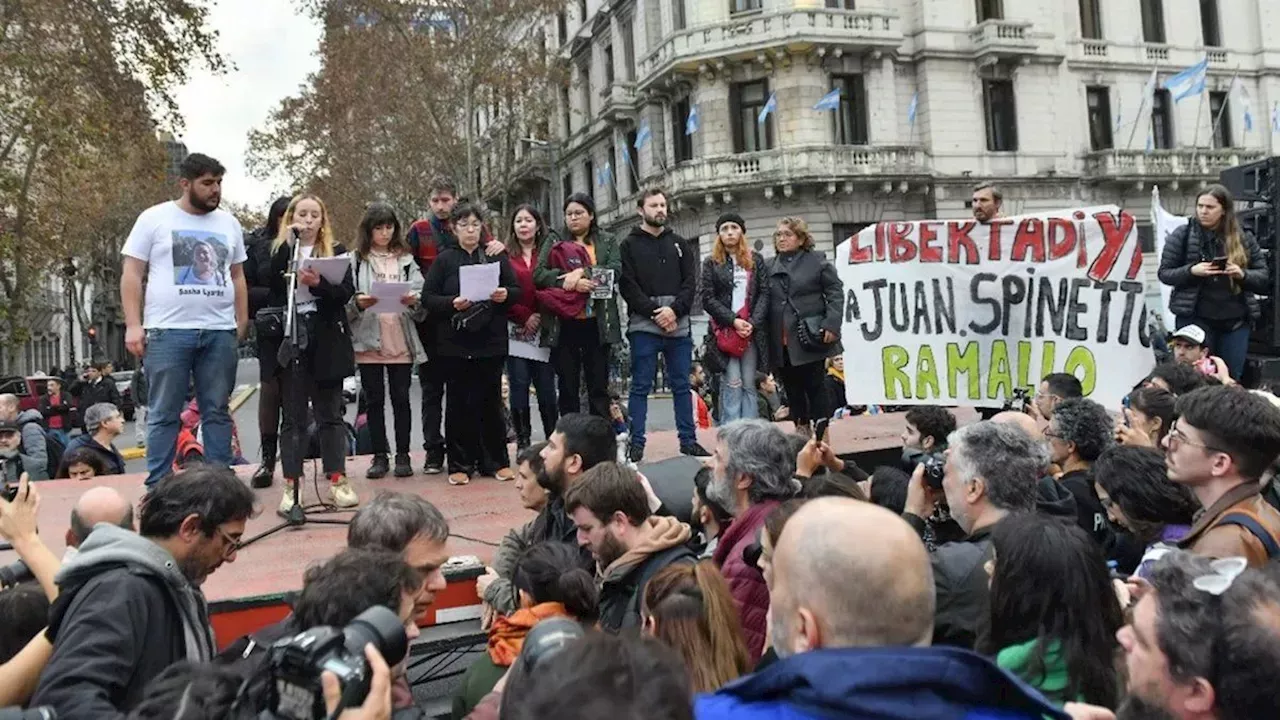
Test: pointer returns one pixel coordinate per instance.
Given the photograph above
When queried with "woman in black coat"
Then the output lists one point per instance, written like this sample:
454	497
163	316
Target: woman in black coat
803	288
1216	271
735	294
326	358
265	292
471	345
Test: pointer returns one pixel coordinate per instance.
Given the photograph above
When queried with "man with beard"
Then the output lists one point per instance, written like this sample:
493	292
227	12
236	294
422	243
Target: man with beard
707	518
752	470
579	443
1203	644
130	604
852	607
186	334
659	279
628	542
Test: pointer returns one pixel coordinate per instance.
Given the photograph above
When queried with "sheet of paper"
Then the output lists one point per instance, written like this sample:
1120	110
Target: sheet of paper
332	269
526	346
477	282
388	295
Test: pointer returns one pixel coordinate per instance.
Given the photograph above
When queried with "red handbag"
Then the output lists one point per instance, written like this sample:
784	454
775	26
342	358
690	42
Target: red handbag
728	339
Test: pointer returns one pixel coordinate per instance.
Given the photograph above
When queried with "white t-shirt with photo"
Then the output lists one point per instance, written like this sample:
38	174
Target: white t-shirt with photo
189	259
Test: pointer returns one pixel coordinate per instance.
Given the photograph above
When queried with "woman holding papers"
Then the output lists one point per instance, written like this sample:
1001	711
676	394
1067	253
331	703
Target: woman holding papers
525	239
468	302
382	314
324	355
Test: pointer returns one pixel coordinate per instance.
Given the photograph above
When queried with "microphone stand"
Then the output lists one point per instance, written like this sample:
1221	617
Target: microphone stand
290	355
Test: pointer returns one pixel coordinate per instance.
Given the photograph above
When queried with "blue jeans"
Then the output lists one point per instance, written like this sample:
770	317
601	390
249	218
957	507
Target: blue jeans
677	354
1231	346
175	359
738	387
523	373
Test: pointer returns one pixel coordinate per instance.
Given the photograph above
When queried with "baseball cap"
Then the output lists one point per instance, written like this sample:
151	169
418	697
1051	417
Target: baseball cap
9	426
1194	333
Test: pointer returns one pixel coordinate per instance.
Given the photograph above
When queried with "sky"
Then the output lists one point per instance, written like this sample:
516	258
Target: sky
273	48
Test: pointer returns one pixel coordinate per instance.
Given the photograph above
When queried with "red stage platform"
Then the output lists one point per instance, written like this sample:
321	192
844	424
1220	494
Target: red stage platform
250	592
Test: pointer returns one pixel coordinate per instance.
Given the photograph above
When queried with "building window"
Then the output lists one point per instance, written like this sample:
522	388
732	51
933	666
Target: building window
584	88
562	27
841	5
629	48
990	10
1220	115
582	11
843	231
1153	20
1002	115
851	119
589	168
681	143
1090	20
1161	121
1209	25
746	101
678	19
1099	104
566	186
608	66
741	6
567	111
628	169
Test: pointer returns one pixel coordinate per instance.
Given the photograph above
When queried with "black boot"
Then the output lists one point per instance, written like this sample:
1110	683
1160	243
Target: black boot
379	467
550	415
262	477
521	420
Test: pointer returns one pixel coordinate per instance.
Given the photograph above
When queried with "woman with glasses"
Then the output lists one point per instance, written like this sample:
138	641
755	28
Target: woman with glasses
577	280
471	342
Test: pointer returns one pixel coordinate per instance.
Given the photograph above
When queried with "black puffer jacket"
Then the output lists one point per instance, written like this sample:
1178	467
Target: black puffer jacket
716	287
1189	245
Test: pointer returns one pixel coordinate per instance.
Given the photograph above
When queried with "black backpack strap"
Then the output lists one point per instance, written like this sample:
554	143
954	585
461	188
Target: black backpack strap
1256	529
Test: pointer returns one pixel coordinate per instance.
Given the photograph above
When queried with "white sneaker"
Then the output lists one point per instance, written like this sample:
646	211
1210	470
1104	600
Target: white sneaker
342	494
286	500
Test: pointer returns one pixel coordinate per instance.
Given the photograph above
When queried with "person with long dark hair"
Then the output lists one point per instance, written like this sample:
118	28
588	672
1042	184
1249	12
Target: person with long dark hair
386	344
581	324
1054	613
526	236
1216	270
1147	417
257	275
314	379
1133	485
806	308
735	295
689	608
471	342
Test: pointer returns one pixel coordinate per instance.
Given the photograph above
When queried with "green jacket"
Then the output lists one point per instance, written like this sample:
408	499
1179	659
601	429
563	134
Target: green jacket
608	256
478	681
1052	682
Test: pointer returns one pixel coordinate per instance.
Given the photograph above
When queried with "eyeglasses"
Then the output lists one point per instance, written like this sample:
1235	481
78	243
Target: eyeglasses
1177	438
233	544
572	214
472	225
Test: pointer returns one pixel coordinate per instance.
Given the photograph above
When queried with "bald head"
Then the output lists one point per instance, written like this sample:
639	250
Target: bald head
98	505
1019	419
850	574
8	406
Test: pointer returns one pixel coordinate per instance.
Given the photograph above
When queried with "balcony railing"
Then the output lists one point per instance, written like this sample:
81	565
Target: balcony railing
740	35
1003	38
793	165
1182	162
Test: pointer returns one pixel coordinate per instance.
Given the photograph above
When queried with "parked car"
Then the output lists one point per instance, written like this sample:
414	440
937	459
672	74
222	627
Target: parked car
28	390
124	381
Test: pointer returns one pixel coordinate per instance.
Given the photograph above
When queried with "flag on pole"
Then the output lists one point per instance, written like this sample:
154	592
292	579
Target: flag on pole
911	109
643	135
1149	90
1151	142
830	101
770	106
1245	102
692	122
1275	117
1189	82
1119	113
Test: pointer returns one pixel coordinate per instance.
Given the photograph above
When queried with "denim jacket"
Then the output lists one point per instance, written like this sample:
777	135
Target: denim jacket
366	332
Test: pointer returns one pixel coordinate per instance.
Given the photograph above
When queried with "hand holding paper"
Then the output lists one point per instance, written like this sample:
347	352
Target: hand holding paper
388	296
477	282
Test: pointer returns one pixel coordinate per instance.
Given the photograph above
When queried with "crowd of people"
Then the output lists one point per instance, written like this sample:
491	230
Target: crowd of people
1058	560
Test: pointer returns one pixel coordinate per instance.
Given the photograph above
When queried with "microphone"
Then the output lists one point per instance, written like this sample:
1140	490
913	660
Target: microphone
295	233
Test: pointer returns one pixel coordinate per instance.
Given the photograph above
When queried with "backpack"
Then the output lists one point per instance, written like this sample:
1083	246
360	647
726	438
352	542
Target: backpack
54	448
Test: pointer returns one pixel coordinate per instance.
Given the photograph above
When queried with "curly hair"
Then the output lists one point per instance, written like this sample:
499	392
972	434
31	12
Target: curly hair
1085	424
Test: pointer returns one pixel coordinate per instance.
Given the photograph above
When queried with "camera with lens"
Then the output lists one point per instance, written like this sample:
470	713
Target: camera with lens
15	573
294	664
1019	400
934	468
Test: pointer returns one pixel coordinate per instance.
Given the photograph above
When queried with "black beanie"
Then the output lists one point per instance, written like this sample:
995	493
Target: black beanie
733	218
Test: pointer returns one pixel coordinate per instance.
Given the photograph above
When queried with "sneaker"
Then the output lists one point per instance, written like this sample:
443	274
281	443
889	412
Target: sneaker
262	477
694	450
459	478
635	453
286	500
379	468
404	468
342	494
435	464
505	474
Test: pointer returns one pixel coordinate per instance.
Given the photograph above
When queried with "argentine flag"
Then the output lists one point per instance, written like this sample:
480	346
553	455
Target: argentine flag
769	107
1245	102
643	135
911	110
830	101
692	122
1189	82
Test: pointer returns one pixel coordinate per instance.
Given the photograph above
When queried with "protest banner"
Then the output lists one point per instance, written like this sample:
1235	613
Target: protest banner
1165	225
956	312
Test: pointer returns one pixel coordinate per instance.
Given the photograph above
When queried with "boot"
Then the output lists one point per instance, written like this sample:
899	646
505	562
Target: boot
521	420
550	415
262	476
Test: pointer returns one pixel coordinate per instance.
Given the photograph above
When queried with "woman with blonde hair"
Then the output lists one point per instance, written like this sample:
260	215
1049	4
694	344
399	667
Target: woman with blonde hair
689	608
736	296
806	299
324	355
1216	271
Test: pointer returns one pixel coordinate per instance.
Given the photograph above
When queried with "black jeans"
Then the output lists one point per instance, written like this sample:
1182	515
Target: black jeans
432	376
298	389
474	430
398	377
579	354
806	392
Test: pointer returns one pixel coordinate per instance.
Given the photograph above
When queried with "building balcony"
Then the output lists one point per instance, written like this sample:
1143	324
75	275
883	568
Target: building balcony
619	99
1181	163
746	37
794	166
996	40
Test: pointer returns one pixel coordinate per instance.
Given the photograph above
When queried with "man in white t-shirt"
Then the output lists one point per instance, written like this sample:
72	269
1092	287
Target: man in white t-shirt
195	309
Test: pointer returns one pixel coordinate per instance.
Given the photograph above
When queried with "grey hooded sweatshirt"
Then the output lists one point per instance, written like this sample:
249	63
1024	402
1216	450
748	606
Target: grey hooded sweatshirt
125	613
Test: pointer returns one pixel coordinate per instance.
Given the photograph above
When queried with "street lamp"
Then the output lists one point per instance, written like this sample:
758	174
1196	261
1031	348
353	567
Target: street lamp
68	274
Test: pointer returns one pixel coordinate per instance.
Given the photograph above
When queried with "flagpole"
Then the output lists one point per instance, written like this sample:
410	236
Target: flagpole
1137	119
1230	87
